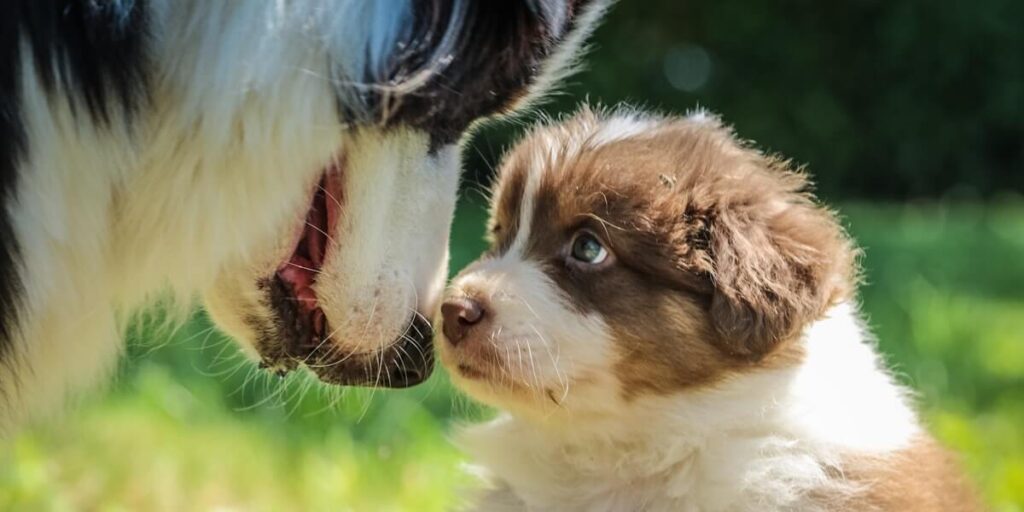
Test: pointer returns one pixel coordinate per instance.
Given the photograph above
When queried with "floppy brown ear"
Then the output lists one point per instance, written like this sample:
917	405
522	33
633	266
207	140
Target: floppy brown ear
778	263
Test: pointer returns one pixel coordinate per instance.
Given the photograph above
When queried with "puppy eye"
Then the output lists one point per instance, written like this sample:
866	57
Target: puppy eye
586	248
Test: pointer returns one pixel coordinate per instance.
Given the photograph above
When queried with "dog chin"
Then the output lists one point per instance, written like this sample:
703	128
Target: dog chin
344	295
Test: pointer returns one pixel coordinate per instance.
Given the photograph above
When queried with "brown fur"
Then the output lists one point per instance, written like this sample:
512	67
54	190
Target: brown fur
504	219
922	478
722	254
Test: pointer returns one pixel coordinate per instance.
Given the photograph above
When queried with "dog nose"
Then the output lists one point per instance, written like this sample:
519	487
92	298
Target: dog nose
460	315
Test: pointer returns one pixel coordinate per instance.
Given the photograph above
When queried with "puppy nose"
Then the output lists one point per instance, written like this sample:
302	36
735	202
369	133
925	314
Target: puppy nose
460	315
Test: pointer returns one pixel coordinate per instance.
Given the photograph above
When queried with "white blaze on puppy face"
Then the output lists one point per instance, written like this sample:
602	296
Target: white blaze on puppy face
537	348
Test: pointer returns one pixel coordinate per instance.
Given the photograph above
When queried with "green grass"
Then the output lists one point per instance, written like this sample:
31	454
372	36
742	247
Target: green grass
188	425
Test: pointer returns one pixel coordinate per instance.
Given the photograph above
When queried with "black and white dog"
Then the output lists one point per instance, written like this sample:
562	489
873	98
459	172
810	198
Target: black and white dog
293	161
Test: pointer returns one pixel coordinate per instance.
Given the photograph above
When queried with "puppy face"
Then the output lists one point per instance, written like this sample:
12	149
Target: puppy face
634	255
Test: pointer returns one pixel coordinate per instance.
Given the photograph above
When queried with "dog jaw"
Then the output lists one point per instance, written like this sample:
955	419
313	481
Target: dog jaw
383	269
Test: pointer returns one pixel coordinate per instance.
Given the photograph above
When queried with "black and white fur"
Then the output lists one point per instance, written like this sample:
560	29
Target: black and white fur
147	144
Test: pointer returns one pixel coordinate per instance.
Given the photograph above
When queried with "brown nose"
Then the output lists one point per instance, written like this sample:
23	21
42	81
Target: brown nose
460	315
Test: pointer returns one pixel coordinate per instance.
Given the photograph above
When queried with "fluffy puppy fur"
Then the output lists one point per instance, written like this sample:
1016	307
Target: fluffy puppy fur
294	162
668	320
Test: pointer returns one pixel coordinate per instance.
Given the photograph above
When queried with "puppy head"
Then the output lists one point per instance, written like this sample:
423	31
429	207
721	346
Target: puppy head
634	255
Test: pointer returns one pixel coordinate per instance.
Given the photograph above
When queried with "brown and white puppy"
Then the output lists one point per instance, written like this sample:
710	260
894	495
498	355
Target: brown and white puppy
669	319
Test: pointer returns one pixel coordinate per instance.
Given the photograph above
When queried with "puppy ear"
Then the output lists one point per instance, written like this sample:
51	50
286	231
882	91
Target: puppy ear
778	262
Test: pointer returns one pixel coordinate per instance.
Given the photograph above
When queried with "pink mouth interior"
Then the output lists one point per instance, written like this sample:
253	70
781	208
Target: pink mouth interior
302	268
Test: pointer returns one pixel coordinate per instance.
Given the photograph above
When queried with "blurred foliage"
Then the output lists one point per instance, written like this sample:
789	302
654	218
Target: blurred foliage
884	99
944	295
190	425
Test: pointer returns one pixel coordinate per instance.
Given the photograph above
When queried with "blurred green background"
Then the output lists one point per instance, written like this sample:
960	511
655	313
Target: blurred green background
910	116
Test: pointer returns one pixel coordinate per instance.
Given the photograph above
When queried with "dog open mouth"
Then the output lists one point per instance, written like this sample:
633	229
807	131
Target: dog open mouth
298	274
303	333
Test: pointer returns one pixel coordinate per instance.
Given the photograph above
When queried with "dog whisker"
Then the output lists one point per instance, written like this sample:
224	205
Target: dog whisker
321	231
333	199
308	269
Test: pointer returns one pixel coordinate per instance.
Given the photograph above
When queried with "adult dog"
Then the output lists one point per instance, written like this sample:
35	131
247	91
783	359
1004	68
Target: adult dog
295	162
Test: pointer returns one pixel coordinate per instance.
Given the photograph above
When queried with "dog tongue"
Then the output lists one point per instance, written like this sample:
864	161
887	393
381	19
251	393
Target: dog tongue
301	281
299	273
303	266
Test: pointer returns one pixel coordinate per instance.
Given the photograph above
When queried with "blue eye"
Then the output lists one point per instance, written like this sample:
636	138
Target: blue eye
586	248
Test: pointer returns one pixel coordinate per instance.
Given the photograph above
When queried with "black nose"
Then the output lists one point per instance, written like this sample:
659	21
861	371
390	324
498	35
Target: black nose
460	316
